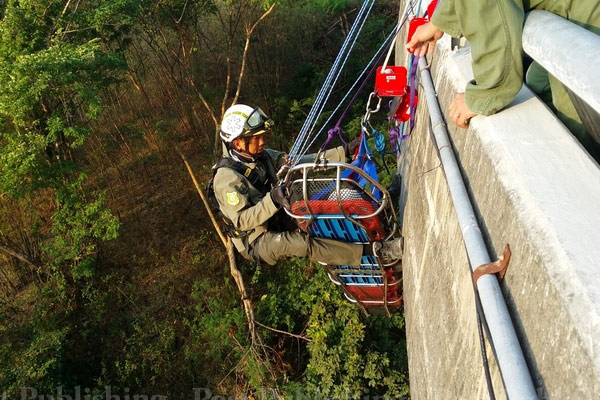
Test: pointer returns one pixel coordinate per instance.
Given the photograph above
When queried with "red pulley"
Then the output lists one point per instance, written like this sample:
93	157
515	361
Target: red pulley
431	8
391	81
402	113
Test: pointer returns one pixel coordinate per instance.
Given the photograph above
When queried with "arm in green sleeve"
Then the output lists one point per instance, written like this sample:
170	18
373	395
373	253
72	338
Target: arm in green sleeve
493	29
444	18
233	195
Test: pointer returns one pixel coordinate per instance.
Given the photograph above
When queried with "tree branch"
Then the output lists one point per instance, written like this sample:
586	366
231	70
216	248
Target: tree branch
283	332
203	197
245	54
233	269
18	255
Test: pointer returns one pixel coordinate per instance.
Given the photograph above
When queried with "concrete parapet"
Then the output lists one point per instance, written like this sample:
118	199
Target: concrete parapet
533	187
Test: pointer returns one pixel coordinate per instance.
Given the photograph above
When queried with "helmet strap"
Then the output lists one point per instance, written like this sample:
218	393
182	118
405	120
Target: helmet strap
243	155
240	155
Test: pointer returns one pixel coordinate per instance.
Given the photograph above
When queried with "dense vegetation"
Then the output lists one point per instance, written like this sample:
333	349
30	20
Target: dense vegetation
111	274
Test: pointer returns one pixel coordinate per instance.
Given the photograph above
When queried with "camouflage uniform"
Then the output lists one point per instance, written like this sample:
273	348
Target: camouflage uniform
250	210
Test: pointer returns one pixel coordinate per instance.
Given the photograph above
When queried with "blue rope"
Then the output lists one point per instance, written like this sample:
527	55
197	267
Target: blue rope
358	80
327	84
379	140
300	142
304	147
333	75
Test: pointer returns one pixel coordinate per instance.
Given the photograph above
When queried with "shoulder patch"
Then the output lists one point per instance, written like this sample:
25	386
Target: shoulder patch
232	198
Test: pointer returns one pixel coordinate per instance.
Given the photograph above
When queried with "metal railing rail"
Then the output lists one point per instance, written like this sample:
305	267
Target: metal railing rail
567	51
509	355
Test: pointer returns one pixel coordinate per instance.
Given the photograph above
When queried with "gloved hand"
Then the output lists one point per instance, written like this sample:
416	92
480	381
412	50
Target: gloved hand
350	147
279	195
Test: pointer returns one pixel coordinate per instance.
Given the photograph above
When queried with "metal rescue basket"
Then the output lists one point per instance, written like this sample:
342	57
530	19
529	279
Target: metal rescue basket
340	201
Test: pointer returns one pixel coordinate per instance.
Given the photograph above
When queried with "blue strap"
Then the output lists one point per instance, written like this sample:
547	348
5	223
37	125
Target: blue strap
364	161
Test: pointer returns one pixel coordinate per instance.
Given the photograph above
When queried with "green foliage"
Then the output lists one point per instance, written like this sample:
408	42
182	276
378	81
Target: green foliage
349	356
36	355
77	228
50	84
149	351
54	63
38	365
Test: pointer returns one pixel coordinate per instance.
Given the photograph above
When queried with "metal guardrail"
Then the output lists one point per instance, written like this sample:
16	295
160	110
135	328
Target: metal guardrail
567	51
509	355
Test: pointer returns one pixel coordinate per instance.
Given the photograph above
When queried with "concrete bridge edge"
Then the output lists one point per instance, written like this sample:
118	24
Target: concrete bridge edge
534	187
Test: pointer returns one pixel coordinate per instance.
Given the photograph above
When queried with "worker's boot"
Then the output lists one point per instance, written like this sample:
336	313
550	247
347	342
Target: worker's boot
390	251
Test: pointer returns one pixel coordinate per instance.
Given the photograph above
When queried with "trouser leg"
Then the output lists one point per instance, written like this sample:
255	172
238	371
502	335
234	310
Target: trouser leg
274	246
538	80
550	91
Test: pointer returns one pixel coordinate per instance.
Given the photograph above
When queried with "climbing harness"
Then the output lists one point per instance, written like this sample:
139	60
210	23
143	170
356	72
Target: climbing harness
263	185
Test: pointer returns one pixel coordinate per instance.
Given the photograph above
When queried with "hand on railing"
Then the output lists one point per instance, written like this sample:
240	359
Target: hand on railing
423	40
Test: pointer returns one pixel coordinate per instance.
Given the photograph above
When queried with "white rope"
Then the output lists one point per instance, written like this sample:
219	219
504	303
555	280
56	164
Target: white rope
305	146
356	82
387	57
303	142
335	71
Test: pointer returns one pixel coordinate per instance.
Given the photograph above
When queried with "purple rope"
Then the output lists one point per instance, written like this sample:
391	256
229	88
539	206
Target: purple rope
336	129
394	132
413	92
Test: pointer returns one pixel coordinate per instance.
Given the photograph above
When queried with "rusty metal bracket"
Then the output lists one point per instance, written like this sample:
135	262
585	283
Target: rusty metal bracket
499	267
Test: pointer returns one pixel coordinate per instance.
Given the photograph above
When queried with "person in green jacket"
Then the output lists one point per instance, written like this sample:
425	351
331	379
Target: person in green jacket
494	30
250	199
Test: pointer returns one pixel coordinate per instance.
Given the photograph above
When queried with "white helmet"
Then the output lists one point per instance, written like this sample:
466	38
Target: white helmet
241	120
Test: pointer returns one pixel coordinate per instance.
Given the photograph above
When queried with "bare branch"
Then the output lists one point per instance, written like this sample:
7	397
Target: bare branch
245	54
235	272
18	255
283	332
65	9
182	12
203	197
239	280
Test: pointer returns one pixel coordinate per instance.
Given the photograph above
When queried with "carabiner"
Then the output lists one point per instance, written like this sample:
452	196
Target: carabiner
370	111
364	126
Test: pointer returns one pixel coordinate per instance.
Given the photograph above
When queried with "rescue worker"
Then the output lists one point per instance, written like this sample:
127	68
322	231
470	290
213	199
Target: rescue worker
249	206
494	30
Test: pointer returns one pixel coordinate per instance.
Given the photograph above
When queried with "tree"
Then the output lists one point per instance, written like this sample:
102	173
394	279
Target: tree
54	62
55	59
208	62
